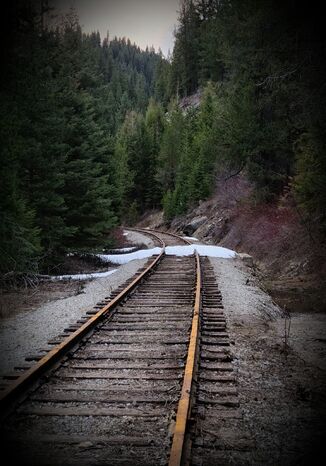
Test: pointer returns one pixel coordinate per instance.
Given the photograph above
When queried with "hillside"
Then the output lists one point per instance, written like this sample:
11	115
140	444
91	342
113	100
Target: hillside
96	131
287	256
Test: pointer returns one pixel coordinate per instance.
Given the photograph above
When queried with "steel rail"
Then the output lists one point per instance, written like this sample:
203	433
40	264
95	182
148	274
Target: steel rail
178	449
48	360
144	230
177	453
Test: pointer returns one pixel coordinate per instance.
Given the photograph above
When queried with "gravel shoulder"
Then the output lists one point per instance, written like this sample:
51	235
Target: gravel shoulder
28	332
137	238
44	313
281	381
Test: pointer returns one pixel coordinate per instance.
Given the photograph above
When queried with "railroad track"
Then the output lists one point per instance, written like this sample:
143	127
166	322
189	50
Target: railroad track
144	379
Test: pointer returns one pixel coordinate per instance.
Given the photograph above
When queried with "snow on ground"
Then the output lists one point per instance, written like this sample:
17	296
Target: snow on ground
125	258
191	238
83	276
203	250
124	249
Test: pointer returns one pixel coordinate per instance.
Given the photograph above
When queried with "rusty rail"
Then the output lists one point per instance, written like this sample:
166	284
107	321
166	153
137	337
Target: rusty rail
177	454
150	232
47	361
178	450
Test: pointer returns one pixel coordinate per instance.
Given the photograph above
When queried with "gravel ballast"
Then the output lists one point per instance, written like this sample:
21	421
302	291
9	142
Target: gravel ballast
281	379
28	333
137	238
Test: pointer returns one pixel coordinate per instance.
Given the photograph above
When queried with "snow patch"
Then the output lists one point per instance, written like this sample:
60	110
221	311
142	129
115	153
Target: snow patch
203	250
211	251
125	258
191	238
132	248
83	276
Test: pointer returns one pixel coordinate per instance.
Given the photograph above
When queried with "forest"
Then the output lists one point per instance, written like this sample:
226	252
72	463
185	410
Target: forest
93	134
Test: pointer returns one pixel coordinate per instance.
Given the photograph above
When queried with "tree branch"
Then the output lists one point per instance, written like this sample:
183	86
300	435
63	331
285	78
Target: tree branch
236	173
274	78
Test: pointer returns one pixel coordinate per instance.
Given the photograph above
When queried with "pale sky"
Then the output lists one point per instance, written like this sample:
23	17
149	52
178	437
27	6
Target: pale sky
145	22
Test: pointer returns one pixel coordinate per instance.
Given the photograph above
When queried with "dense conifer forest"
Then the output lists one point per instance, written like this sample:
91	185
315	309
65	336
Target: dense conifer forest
93	134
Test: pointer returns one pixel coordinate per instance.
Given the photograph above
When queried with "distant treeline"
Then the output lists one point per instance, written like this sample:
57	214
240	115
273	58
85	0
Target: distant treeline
92	133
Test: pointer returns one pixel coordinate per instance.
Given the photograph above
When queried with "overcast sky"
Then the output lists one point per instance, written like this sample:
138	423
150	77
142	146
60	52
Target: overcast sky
145	22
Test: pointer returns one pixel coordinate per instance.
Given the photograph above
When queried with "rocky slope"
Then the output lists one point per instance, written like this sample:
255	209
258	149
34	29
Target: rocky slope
287	255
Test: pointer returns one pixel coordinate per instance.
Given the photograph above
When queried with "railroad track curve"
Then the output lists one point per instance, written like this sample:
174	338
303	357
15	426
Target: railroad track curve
130	383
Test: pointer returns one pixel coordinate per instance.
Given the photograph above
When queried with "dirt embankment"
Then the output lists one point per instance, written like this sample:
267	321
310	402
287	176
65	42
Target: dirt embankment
281	369
287	254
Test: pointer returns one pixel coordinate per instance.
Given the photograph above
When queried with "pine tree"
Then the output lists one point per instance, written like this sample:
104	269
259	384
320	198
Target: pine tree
86	190
19	235
184	72
171	149
154	126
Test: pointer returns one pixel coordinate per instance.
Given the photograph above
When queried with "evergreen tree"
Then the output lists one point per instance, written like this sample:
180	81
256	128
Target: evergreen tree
154	126
171	149
268	59
162	77
89	211
19	236
184	71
